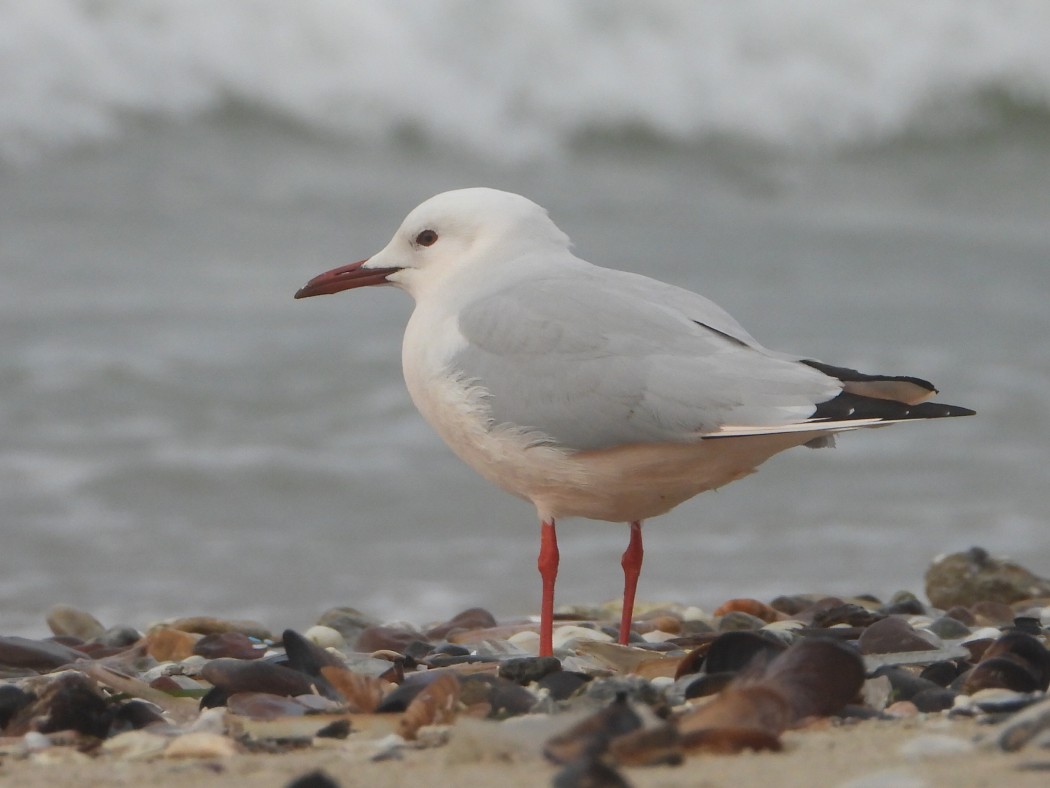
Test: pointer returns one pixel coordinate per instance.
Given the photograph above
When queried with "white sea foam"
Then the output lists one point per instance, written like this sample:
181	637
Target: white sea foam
518	78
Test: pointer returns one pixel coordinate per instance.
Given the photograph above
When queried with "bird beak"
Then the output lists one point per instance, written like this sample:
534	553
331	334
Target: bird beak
345	278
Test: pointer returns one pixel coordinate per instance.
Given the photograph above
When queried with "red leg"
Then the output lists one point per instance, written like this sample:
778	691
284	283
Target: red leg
548	566
632	568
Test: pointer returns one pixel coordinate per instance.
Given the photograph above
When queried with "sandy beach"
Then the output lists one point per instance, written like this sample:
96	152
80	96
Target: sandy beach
931	751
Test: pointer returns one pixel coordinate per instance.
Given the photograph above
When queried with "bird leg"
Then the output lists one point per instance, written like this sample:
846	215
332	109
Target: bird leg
632	568
548	566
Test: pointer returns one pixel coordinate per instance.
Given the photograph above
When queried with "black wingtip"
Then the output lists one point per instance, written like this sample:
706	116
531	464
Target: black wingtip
847	406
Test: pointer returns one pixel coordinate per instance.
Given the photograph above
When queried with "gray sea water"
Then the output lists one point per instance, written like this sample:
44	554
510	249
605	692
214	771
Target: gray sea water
177	435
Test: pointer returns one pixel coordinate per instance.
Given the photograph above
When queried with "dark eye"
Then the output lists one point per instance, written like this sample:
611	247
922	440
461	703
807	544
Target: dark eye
426	238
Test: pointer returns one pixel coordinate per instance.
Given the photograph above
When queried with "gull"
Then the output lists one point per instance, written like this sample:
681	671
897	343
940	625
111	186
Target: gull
593	392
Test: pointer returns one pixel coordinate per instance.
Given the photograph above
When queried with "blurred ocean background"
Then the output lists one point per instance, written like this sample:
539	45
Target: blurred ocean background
864	183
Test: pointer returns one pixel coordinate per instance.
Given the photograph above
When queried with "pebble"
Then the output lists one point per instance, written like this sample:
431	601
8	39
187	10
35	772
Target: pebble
974	576
200	745
326	637
170	645
236	645
350	678
67	621
36	655
892	635
564	636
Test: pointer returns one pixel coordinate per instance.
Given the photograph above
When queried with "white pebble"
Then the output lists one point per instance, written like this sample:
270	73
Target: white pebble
564	635
325	637
935	745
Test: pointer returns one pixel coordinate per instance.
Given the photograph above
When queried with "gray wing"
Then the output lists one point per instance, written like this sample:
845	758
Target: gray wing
601	358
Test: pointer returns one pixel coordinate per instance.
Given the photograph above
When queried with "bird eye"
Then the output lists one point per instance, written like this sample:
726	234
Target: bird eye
426	238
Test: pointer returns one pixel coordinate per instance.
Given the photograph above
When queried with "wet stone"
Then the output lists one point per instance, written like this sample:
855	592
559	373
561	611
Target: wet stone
892	635
525	670
975	576
73	622
934	699
731	652
948	628
235	675
942	673
39	655
563	684
228	644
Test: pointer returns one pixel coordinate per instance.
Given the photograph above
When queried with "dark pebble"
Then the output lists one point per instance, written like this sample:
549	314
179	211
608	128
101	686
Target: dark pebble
732	652
892	635
1025	650
588	773
12	700
1000	673
563	684
525	670
315	779
72	702
1029	625
237	675
451	650
474	618
40	655
399	698
944	672
708	684
934	699
948	628
505	698
228	644
133	715
306	656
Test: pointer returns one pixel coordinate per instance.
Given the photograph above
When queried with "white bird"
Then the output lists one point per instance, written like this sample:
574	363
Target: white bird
593	392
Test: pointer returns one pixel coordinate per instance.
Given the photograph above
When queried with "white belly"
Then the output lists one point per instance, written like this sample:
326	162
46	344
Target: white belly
621	484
